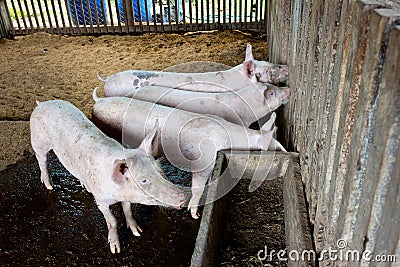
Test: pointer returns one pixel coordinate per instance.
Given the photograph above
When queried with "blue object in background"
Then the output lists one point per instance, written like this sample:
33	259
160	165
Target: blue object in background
142	4
85	16
173	9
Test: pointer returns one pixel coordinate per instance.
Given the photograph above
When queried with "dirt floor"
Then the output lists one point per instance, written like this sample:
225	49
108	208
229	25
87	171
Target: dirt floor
43	67
260	225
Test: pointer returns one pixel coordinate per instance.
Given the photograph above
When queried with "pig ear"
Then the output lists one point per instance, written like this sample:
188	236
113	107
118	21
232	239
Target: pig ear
249	53
119	171
149	144
269	124
249	68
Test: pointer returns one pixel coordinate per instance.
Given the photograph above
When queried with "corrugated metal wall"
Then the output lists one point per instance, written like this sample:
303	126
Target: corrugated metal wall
128	16
344	117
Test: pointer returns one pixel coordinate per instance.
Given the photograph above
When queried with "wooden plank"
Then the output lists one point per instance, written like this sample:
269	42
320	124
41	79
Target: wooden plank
383	236
6	28
336	85
358	42
384	135
297	229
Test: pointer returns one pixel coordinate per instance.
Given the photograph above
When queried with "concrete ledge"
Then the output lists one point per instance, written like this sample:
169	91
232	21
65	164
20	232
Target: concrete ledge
258	166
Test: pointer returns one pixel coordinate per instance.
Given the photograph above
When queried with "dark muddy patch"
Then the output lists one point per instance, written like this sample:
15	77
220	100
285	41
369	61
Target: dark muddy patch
64	227
254	221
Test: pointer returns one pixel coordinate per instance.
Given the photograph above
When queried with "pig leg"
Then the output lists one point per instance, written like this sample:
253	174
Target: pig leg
112	227
41	150
130	221
199	180
268	126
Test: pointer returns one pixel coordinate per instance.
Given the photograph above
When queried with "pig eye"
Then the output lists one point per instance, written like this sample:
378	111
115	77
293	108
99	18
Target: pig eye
143	181
272	94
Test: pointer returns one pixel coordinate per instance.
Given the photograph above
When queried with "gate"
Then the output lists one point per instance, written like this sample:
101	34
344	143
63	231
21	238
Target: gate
77	17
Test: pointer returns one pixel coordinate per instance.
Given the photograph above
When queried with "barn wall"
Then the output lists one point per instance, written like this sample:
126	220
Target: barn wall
344	115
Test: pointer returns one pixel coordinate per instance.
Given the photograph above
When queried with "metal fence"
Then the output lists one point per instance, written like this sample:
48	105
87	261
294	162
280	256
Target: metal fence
126	16
344	118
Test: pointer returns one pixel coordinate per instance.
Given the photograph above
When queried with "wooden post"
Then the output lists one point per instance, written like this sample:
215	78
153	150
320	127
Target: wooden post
6	28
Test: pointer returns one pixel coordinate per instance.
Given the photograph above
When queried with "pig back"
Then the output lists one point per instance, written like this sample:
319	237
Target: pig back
76	141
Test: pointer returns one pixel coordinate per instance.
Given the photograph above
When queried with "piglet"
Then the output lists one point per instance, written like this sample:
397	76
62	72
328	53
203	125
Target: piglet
241	107
107	170
250	72
186	139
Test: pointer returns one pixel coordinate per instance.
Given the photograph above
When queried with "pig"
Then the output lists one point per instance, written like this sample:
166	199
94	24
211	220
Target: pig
241	107
250	72
186	139
264	73
102	165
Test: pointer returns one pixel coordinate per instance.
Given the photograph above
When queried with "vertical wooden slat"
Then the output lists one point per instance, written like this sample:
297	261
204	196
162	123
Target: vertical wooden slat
219	13
177	11
162	16
28	13
191	15
118	11
245	14
383	236
224	13
7	29
147	14
55	16
183	5
112	28
357	46
64	26
348	147
96	11
197	15
154	15
35	15
371	163
70	24
169	13
16	16
214	18
208	14
22	17
140	14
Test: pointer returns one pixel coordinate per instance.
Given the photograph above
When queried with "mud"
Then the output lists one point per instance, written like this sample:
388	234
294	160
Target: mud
254	221
64	227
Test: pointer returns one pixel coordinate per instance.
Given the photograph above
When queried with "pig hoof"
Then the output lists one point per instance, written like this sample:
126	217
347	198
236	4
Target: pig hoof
49	187
136	231
114	248
195	215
